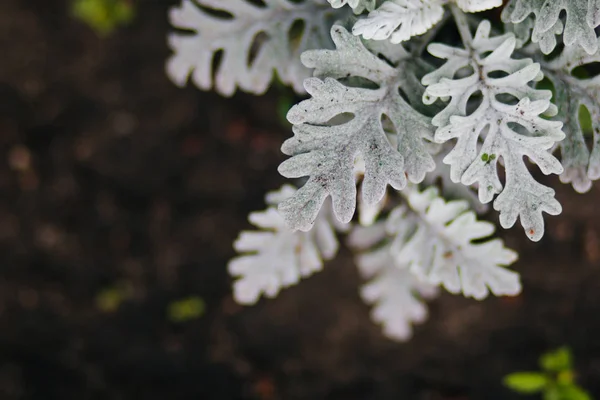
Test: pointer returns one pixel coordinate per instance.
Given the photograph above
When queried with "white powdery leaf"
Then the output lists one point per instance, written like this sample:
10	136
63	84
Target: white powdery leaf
340	122
582	16
399	20
571	93
523	31
277	257
508	131
357	6
396	294
473	6
255	41
434	239
367	213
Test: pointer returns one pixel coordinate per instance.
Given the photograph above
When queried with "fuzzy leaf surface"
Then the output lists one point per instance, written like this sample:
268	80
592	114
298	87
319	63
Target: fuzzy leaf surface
357	6
571	94
472	6
399	20
397	295
276	257
582	16
506	125
255	41
343	120
434	240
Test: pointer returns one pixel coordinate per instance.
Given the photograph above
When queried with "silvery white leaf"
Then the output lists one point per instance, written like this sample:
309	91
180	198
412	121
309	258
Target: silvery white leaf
582	16
255	41
571	94
508	131
341	121
396	294
357	6
434	239
275	256
399	20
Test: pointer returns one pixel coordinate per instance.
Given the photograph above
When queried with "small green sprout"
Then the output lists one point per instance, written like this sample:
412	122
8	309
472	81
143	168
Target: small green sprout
487	158
109	299
103	16
185	309
556	381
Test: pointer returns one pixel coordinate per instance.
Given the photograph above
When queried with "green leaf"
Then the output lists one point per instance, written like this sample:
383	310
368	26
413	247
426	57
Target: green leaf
109	299
103	15
557	360
552	393
186	309
573	392
565	378
526	382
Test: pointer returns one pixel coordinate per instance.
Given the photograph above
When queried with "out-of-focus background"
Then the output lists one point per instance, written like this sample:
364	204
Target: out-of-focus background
120	197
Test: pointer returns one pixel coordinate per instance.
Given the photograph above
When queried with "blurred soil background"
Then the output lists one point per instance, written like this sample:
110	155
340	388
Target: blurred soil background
121	194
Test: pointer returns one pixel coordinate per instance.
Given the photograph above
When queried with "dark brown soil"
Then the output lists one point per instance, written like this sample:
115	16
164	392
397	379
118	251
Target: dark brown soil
111	174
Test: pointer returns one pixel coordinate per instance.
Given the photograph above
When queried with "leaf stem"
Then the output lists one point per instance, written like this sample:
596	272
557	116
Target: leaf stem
462	24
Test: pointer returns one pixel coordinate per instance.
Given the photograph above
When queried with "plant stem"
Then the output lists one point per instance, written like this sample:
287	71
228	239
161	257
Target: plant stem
462	24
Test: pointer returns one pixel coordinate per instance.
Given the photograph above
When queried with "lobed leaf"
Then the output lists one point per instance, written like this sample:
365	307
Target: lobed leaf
581	166
357	6
582	16
396	294
277	257
256	42
497	128
340	122
434	239
399	20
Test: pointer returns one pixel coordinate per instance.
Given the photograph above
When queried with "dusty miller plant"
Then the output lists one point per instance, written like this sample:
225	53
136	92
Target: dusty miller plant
417	130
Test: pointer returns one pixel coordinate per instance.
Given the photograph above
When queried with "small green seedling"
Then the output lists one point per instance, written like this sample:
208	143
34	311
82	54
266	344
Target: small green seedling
103	16
185	309
556	381
109	299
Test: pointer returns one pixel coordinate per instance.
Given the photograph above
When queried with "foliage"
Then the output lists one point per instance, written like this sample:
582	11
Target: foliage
434	239
511	130
399	20
397	294
576	98
110	298
327	152
556	381
393	110
255	42
357	6
423	243
582	16
276	256
103	16
185	309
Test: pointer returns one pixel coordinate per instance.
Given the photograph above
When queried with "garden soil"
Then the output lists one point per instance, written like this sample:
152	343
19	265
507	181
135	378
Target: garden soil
121	194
